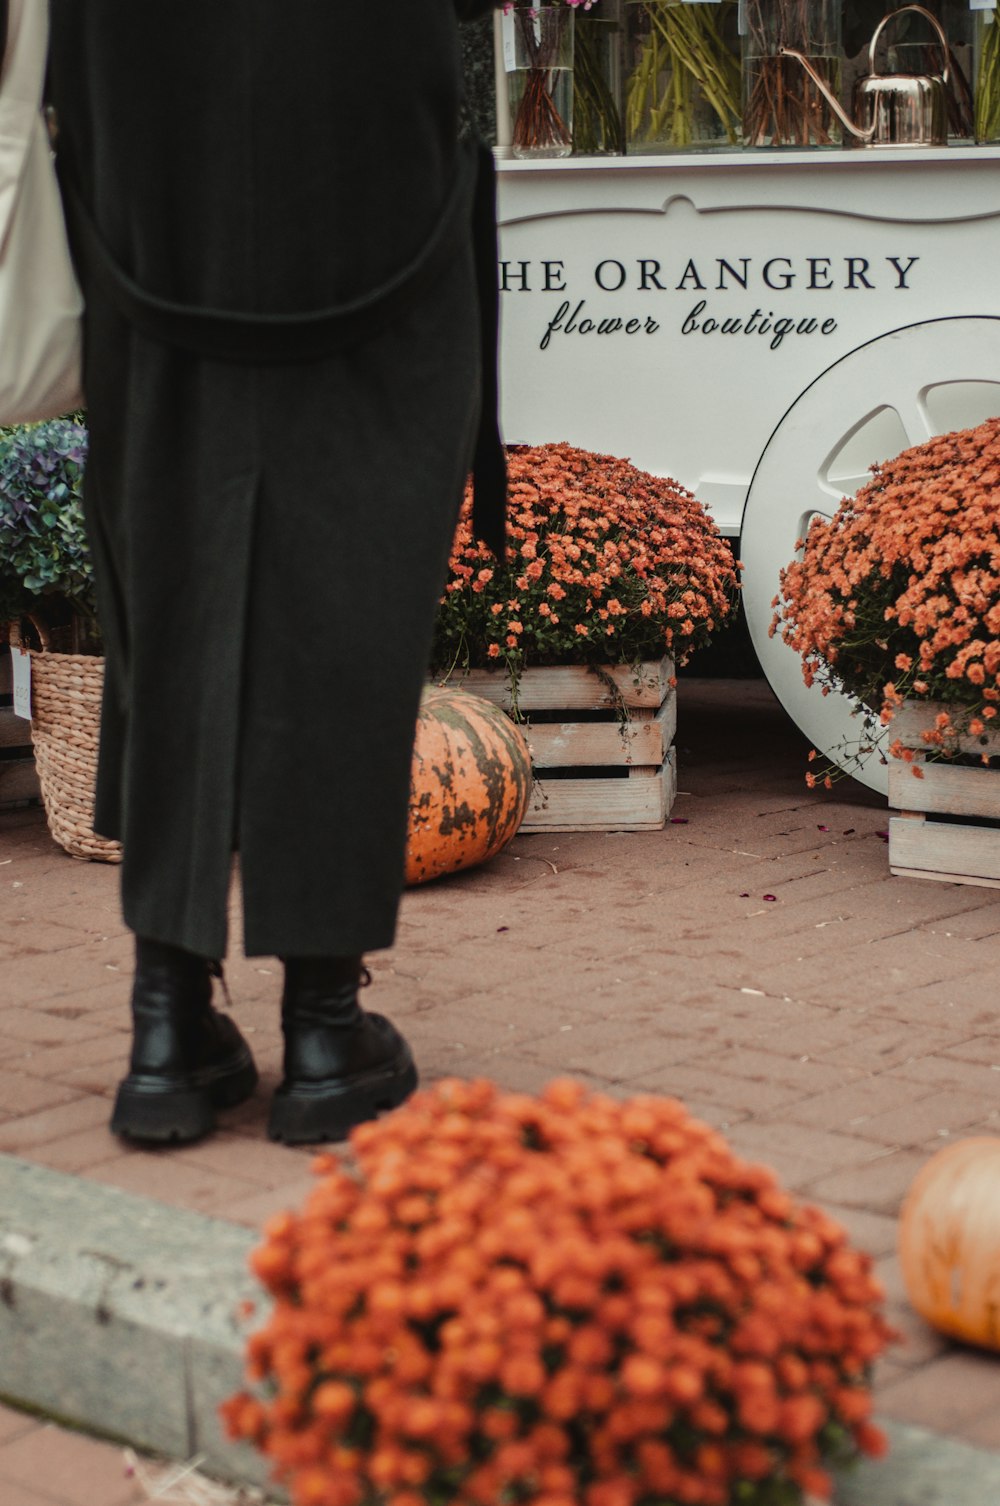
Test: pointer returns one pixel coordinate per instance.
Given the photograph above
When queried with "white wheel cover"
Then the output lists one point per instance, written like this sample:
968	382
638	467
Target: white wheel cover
896	391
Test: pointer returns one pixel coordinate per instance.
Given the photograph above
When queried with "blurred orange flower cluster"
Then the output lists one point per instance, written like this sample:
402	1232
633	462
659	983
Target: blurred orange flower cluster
557	1300
898	595
604	564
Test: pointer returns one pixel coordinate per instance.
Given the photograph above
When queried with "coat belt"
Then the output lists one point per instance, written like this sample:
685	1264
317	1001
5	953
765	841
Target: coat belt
263	339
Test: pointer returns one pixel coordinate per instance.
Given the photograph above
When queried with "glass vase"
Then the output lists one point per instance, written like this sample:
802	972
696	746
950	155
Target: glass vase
782	106
538	55
682	75
987	71
597	78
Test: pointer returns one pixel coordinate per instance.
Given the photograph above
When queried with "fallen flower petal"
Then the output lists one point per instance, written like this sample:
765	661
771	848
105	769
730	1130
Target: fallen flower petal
769	896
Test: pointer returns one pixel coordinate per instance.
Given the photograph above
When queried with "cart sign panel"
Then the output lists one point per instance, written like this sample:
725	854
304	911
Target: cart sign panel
672	313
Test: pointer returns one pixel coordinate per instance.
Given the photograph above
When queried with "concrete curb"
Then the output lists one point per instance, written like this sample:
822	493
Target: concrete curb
923	1469
120	1314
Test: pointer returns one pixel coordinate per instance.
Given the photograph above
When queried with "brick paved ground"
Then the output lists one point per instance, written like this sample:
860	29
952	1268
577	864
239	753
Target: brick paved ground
45	1465
842	1031
41	1465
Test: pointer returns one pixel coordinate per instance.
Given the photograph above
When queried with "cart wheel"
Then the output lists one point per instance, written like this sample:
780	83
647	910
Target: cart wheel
883	397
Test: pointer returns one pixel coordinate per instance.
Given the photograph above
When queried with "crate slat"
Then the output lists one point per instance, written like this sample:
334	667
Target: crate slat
923	841
945	878
914	716
644	739
944	789
571	687
629	732
634	804
944	850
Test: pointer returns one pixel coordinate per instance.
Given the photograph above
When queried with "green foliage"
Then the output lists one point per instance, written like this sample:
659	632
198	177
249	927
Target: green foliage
45	567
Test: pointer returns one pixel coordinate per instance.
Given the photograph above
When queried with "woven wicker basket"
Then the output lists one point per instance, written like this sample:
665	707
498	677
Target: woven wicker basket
65	728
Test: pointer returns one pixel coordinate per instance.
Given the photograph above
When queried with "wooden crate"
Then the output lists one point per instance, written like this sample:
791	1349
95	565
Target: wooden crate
624	770
18	779
927	837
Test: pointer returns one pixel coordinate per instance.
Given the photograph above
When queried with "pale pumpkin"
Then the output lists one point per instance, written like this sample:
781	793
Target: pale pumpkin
949	1240
470	783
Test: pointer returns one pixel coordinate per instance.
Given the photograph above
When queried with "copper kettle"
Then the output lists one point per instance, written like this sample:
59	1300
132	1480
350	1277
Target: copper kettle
892	109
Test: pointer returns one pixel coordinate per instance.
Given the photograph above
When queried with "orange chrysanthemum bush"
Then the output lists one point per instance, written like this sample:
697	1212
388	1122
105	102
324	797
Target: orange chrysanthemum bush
562	1300
604	564
898	595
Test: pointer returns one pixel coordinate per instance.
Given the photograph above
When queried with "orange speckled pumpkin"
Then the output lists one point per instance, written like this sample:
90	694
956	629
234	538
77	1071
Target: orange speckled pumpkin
469	787
949	1240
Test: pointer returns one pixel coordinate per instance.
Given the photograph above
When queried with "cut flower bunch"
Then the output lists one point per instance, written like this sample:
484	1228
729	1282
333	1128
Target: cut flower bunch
541	37
898	595
604	564
561	1300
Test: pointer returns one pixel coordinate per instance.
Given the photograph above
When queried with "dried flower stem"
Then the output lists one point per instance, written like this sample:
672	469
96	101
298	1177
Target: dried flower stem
538	125
783	107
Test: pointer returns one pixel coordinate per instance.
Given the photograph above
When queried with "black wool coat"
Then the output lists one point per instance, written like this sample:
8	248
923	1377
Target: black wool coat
271	492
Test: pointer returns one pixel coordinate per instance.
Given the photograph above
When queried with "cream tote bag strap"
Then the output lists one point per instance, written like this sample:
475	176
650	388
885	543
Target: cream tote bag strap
40	301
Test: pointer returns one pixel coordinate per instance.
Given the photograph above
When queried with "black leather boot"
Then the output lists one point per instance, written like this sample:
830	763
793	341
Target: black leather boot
187	1058
342	1064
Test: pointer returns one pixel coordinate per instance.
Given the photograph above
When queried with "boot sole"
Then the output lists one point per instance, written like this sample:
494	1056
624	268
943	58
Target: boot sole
310	1113
163	1110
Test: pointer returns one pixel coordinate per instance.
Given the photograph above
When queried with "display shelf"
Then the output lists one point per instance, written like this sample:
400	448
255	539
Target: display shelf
764	157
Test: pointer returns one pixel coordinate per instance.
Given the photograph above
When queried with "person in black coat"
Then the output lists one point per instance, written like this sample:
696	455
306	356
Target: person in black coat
274	217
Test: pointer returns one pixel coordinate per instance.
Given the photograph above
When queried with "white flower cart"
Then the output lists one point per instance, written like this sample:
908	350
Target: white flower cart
762	325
